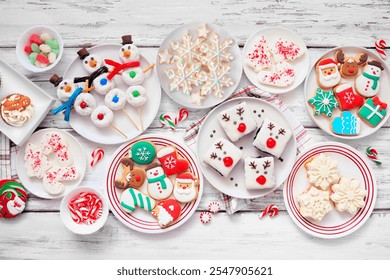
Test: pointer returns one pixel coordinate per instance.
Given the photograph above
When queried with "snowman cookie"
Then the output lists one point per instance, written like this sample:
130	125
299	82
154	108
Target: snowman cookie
65	88
259	173
132	198
167	212
237	121
272	138
171	162
159	185
128	52
186	187
367	84
90	62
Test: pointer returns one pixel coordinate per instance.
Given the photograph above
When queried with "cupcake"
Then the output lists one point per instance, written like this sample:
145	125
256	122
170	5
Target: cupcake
16	109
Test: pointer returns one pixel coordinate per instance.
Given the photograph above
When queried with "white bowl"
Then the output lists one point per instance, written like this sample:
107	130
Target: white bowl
23	40
82	228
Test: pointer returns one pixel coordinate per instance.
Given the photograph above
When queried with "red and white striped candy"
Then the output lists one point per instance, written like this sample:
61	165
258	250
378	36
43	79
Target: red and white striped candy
86	208
97	155
205	217
380	45
271	210
214	207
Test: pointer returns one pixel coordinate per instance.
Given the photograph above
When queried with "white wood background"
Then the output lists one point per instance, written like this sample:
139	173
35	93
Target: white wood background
40	234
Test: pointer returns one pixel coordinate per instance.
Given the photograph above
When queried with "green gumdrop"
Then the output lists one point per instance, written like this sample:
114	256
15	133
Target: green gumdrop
56	51
52	43
33	57
35	48
136	93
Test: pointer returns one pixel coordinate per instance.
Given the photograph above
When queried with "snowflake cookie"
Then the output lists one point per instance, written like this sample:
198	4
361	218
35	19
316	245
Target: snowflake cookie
322	171
324	102
216	50
142	152
185	77
314	203
217	80
189	48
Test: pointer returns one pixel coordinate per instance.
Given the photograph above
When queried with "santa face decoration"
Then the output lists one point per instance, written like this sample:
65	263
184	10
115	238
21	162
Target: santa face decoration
129	52
167	212
186	187
65	89
92	62
328	75
272	138
159	185
259	173
222	156
237	121
367	84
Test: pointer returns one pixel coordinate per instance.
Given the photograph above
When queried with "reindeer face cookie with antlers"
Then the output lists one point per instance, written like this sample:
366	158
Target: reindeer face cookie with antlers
272	138
259	173
237	121
132	177
349	65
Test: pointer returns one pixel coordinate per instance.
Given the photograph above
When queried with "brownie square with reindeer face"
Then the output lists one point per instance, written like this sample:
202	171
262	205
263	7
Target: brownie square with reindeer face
259	173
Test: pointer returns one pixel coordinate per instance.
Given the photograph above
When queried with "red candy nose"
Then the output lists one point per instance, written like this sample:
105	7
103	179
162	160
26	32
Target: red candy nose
183	187
138	178
100	116
374	72
83	105
350	70
261	180
329	73
241	127
271	143
227	161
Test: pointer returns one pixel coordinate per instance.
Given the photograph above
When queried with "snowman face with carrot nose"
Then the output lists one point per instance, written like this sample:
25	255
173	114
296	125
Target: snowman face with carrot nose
129	52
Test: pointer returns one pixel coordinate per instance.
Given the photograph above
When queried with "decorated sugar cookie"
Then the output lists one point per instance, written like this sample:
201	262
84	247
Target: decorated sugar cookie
237	121
259	55
186	187
131	177
13	199
103	85
91	62
142	152
16	109
132	198
84	104
285	50
128	52
35	161
171	162
346	124
216	51
165	57
281	75
314	203
184	76
57	144
349	65
223	156
367	84
167	212
322	171
346	97
259	173
373	111
272	138
65	88
324	102
52	181
328	75
216	81
159	185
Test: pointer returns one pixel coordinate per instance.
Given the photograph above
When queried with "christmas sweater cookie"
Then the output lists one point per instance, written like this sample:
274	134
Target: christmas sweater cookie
328	75
324	102
259	173
367	84
259	56
272	138
314	203
347	98
284	50
348	195
131	198
36	162
186	187
346	124
373	111
222	156
52	181
349	65
57	143
282	75
132	177
322	171
167	212
171	162
13	198
237	121
142	152
159	185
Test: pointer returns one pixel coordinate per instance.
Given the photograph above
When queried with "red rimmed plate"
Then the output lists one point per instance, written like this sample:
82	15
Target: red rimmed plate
140	220
335	224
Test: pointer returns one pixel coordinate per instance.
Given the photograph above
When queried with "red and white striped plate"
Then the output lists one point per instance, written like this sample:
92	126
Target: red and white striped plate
140	220
351	164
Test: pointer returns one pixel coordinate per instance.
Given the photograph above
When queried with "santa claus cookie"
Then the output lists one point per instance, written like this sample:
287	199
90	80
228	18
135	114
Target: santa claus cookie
314	203
367	84
222	156
259	173
237	121
272	138
347	98
167	212
142	152
349	65
373	111
186	187
13	198
52	181
35	161
57	144
328	75
171	162
131	198
322	171
159	185
324	102
131	177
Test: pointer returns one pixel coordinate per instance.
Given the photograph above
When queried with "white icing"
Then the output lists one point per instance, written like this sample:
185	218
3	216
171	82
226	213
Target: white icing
155	189
65	89
363	85
53	178
57	143
103	85
36	162
107	119
138	76
16	206
281	75
259	173
314	203
163	217
136	101
322	171
237	121
90	102
115	99
92	62
129	52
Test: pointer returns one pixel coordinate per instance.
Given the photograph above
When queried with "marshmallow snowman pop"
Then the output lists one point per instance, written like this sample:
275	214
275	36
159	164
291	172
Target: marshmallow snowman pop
137	97
90	62
103	116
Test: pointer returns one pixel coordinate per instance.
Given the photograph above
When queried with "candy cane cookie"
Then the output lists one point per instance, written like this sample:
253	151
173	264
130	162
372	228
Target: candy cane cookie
131	198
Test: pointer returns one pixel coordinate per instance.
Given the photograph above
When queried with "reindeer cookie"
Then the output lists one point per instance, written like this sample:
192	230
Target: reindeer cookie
349	65
132	177
259	173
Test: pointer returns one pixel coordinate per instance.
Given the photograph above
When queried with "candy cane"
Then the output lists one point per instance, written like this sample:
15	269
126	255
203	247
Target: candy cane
86	208
271	210
97	155
167	120
380	45
373	155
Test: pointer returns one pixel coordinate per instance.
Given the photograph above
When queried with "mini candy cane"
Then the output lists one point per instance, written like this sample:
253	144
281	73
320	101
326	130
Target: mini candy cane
380	45
271	210
86	208
373	155
167	120
97	155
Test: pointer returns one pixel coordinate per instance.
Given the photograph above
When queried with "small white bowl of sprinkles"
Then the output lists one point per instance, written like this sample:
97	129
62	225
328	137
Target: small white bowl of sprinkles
84	210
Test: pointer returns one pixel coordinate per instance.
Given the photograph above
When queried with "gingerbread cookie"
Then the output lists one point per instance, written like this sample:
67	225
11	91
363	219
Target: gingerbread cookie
348	195
346	97
346	124
132	177
259	55
171	162
142	152
16	109
328	75
259	173
281	75
186	187
131	198
367	84
324	102
167	212
314	203
35	161
159	185
349	65
373	111
322	171
13	199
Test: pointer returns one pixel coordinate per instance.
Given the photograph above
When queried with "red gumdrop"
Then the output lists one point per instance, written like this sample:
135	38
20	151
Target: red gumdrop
100	116
227	161
261	180
83	105
42	59
28	49
35	38
271	143
241	127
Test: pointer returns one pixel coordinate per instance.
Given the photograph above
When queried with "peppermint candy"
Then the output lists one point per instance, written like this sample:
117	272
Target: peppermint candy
205	217
85	208
97	155
214	207
271	210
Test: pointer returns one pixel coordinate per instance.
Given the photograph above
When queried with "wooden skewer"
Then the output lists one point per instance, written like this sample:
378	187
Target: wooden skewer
117	129
127	114
148	68
140	118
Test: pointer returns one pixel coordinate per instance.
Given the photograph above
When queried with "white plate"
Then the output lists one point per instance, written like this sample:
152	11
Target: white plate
33	184
301	64
83	124
335	224
13	82
311	86
140	220
234	184
210	101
